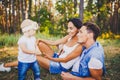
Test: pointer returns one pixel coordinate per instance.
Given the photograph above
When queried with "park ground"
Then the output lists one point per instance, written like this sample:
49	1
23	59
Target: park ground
112	62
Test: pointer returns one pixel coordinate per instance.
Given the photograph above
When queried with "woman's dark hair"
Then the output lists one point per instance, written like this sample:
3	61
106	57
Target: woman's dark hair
77	22
91	27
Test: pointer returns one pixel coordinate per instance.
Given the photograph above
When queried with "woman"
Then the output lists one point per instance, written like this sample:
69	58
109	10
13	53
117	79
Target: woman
66	57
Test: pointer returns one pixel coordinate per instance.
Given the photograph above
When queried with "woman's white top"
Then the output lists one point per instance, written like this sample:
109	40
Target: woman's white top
66	51
30	45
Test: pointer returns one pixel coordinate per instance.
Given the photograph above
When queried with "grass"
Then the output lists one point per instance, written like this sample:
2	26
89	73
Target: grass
112	62
11	40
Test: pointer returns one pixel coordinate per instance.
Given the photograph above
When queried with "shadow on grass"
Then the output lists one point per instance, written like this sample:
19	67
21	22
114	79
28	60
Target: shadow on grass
112	72
13	74
113	68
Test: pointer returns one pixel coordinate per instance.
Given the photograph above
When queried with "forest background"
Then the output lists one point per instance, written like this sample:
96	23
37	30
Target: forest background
52	17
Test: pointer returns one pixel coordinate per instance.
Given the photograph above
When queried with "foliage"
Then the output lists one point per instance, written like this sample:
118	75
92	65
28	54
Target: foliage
11	40
47	24
46	36
53	17
88	15
104	14
109	35
8	40
66	11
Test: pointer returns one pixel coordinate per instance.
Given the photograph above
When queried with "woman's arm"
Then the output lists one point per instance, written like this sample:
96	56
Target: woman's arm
75	53
57	42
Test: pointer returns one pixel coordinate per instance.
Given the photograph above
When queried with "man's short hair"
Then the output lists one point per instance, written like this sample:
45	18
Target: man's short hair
92	27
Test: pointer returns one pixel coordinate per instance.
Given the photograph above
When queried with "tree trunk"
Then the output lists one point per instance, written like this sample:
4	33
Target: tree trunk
18	12
30	8
81	9
115	19
6	17
22	9
75	6
10	12
13	16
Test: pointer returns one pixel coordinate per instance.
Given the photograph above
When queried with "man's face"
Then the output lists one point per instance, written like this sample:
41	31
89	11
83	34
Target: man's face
82	35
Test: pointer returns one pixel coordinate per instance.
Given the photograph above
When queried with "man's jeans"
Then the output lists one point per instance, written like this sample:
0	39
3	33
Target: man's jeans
24	67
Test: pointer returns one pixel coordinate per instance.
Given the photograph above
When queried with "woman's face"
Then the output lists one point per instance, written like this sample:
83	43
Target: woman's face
72	30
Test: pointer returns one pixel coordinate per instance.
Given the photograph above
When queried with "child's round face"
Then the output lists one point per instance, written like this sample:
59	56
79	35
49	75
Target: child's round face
32	32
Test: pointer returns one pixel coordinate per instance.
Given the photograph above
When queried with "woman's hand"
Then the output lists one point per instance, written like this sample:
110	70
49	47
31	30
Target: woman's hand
48	56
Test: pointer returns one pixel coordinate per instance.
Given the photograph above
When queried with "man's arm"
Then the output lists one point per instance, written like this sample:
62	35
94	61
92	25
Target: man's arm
68	76
96	74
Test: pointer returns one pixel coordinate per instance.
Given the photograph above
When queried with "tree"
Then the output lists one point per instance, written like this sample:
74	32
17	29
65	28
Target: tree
30	9
115	17
81	9
66	9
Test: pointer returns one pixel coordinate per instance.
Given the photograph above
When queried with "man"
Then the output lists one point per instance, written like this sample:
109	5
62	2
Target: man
91	64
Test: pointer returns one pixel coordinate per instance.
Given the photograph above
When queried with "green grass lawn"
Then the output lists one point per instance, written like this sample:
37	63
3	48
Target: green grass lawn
112	62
